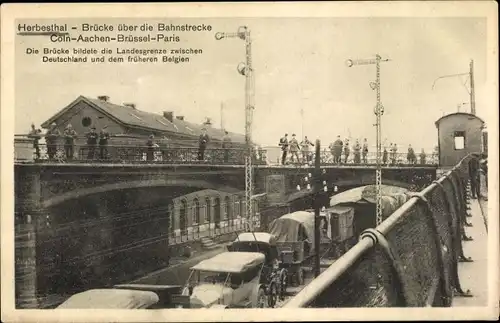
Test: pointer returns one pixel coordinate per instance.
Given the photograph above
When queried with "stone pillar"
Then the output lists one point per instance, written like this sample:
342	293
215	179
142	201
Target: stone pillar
27	211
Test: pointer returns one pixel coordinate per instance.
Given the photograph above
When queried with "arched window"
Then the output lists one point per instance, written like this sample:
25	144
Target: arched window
183	216
237	209
208	209
242	208
227	208
171	217
196	211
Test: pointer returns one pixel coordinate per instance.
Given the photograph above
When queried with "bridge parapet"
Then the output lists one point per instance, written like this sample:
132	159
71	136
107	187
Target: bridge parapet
409	260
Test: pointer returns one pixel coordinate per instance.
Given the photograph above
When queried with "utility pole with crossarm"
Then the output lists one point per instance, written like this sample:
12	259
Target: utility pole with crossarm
246	70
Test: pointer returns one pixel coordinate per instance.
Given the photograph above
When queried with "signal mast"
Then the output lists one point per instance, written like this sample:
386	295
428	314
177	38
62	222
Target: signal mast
379	111
246	70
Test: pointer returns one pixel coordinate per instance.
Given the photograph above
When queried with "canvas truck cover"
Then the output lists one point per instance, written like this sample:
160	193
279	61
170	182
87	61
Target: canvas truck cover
289	227
230	262
111	299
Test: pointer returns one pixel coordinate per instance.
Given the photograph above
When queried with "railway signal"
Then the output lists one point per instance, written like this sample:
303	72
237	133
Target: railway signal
379	111
246	70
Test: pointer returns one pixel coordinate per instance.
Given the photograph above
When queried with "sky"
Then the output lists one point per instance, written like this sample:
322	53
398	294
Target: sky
299	63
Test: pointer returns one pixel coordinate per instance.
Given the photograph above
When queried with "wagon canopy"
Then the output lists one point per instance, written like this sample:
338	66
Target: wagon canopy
293	227
112	299
231	262
256	236
366	194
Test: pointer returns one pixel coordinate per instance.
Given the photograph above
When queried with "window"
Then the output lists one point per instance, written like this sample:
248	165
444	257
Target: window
227	208
237	209
208	208
459	138
196	211
86	122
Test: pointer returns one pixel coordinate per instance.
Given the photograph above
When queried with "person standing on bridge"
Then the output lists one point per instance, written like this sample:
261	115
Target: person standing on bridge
103	143
365	151
394	153
294	149
226	146
92	143
284	148
357	152
422	157
150	155
337	150
347	150
305	149
474	174
35	134
69	141
51	140
384	156
202	144
411	155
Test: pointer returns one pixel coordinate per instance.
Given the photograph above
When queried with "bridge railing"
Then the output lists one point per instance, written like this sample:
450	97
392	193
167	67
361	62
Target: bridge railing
409	260
128	154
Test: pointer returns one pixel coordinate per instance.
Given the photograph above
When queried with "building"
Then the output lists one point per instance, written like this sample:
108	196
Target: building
129	125
459	134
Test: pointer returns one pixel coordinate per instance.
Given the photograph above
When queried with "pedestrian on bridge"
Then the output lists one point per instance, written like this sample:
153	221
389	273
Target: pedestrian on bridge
474	175
347	150
394	153
284	148
226	145
103	142
92	137
202	144
365	151
337	150
294	149
412	159
384	156
305	149
69	141
51	139
357	152
422	157
35	134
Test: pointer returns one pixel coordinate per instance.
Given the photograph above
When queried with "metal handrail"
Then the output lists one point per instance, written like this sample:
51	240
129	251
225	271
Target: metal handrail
310	292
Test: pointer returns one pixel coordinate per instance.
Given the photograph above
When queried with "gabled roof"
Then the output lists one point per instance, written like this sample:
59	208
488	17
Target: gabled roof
132	117
470	115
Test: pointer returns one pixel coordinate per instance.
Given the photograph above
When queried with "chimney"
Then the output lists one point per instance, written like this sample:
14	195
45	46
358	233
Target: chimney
169	115
130	105
180	118
104	98
208	122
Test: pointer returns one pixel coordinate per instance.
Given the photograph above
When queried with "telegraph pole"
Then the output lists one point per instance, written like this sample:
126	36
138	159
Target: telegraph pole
246	70
472	90
379	111
317	192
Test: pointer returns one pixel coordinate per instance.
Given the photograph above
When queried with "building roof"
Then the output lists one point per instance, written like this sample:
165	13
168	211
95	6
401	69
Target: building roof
231	262
133	117
458	113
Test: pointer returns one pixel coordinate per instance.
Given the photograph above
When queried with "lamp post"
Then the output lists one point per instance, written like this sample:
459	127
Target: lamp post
246	70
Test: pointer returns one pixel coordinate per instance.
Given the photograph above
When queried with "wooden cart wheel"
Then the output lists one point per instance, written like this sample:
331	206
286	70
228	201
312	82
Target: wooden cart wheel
261	299
283	283
300	276
272	296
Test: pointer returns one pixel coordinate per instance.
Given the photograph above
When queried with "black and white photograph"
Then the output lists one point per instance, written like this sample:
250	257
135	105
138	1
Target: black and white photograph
184	157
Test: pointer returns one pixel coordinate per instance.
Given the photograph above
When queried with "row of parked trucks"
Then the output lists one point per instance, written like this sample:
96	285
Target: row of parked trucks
257	268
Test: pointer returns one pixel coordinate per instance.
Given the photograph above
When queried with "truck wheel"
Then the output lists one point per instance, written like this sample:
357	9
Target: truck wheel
283	283
261	299
272	296
300	276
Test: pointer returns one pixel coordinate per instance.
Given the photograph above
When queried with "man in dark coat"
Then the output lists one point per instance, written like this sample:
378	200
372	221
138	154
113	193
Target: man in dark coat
51	139
103	143
69	141
150	154
474	177
92	137
202	144
284	148
35	134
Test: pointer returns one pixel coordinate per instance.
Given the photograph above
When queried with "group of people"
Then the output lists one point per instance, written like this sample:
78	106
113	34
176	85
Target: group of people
69	136
339	149
294	147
